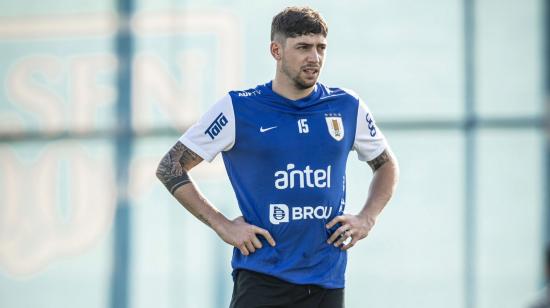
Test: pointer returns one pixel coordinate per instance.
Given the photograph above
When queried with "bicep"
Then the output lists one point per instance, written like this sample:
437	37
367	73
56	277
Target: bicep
173	167
187	158
380	160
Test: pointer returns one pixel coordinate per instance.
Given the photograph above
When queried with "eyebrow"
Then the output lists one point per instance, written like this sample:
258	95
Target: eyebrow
309	44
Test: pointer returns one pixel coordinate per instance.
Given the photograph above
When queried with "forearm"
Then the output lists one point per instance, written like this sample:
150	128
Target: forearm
172	172
357	227
381	188
193	201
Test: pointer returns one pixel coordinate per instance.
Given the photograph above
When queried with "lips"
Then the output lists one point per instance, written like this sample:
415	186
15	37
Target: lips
311	70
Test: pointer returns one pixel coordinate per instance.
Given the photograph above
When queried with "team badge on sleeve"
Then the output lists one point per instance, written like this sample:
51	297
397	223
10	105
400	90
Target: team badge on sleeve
335	126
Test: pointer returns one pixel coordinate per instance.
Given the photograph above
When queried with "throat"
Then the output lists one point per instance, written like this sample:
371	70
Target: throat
290	90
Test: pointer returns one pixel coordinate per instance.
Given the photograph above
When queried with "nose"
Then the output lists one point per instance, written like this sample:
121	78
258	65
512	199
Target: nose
314	56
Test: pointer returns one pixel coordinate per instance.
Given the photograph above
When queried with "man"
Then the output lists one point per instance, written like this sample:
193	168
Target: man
285	145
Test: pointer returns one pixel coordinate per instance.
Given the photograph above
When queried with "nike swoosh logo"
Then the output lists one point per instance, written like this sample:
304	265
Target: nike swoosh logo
263	130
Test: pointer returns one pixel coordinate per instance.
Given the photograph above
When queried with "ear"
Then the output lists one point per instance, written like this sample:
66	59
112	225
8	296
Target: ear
276	50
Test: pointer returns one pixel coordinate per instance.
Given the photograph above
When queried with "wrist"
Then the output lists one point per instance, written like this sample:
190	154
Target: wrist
367	218
219	223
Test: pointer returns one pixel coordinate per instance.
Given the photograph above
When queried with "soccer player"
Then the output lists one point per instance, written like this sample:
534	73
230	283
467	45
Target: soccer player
285	145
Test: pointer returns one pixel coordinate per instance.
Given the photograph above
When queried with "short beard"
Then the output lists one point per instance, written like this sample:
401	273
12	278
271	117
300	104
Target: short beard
298	83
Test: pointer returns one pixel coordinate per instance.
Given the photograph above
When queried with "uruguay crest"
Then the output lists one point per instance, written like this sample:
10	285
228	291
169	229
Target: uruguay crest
335	126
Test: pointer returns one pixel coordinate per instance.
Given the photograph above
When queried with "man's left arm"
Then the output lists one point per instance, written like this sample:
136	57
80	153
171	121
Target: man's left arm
382	186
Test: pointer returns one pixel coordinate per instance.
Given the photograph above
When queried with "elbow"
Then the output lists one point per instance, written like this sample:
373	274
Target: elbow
395	169
162	170
389	174
158	172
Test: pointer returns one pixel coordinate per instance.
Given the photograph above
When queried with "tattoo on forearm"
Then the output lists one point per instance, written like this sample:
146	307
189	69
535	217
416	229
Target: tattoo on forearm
379	160
204	219
171	170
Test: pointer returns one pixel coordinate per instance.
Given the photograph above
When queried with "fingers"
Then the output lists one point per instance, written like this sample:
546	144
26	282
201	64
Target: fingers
265	234
334	221
343	237
256	243
243	250
251	241
336	235
250	247
350	244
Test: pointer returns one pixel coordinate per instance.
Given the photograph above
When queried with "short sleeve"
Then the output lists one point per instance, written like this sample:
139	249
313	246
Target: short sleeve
214	132
369	140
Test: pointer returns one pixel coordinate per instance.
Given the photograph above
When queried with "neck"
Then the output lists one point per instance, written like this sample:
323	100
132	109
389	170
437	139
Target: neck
287	89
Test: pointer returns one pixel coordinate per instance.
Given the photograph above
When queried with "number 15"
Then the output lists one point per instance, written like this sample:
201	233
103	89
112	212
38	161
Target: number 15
303	128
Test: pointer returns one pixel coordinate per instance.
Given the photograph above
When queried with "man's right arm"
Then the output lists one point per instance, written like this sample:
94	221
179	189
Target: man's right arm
173	170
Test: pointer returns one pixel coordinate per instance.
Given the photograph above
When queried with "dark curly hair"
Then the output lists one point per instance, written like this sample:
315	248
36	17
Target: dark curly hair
295	21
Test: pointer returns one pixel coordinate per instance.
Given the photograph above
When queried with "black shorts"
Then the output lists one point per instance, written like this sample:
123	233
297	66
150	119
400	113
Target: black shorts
255	290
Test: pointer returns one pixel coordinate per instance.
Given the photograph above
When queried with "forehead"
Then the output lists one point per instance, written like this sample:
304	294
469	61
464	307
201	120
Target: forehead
313	39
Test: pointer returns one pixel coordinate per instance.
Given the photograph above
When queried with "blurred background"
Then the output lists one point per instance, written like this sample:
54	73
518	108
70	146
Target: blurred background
95	92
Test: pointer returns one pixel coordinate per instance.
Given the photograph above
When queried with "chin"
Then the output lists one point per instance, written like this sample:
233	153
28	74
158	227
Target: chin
303	84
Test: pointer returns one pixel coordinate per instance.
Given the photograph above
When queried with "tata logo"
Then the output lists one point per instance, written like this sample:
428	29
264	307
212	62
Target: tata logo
280	213
216	127
291	177
372	128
